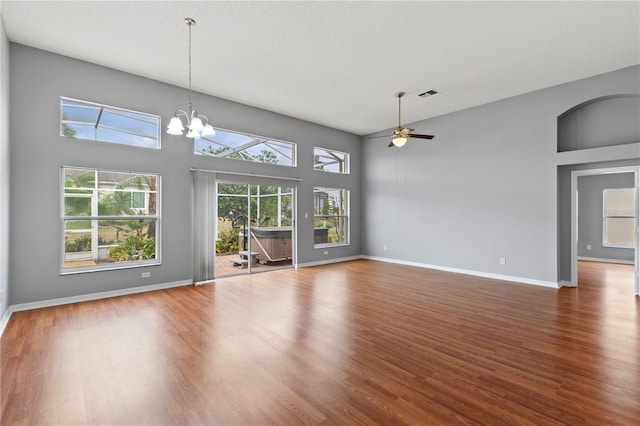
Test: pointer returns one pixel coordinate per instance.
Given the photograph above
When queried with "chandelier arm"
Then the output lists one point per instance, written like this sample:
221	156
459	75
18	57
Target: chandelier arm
182	113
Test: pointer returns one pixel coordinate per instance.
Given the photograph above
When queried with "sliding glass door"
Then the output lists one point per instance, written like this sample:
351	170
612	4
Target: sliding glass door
254	227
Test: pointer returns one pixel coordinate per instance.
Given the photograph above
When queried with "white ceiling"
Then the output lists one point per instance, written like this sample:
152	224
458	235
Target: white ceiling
340	63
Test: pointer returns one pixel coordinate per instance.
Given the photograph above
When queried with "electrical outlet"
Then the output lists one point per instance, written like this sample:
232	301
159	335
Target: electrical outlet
306	215
503	260
326	252
588	246
146	274
385	247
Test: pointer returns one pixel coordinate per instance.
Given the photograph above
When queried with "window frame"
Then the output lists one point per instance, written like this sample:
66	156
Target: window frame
346	216
608	213
117	111
346	162
64	218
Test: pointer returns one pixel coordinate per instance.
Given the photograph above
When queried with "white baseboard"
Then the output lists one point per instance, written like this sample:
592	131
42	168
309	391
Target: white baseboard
599	259
328	261
4	321
564	283
95	296
501	277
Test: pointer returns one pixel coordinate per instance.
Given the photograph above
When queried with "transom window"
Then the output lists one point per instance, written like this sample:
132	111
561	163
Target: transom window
331	217
110	219
241	146
96	122
328	160
619	217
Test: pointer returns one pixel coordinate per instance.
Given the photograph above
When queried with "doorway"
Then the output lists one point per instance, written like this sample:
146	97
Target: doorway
255	229
575	175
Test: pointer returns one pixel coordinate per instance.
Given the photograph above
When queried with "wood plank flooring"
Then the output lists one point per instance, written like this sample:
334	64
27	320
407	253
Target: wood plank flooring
360	342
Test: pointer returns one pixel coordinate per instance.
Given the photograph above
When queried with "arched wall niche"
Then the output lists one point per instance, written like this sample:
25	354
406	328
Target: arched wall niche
605	121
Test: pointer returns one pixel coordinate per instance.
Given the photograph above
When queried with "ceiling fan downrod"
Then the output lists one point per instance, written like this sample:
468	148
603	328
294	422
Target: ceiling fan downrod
399	95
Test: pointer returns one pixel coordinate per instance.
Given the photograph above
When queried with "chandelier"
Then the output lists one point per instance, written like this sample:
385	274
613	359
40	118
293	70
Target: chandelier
197	124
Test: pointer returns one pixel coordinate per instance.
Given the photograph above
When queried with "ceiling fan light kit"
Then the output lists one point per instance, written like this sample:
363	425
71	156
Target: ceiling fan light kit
399	141
197	124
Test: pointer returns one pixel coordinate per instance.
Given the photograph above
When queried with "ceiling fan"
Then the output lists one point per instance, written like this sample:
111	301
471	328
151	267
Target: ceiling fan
401	134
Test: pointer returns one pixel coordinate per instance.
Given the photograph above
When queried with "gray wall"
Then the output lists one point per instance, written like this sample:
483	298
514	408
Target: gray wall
4	170
486	187
612	120
39	78
590	215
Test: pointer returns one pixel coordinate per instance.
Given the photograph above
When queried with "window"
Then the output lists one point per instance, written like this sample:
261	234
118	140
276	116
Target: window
110	219
330	161
619	218
87	120
240	146
138	200
331	217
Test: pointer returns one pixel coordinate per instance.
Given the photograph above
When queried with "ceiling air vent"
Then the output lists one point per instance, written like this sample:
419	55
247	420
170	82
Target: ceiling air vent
428	93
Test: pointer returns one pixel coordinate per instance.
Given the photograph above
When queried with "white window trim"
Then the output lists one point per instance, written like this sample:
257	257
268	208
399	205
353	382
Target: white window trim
347	216
118	265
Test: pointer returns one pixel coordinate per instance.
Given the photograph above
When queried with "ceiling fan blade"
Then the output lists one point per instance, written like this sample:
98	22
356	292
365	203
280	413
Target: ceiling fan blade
414	135
391	145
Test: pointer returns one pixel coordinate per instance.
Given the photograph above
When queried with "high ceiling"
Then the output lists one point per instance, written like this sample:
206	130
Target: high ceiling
340	63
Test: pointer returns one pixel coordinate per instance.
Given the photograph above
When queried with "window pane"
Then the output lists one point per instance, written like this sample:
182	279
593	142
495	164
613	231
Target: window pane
619	202
77	239
91	121
78	181
138	200
77	205
116	192
619	231
233	188
118	241
239	146
331	161
286	209
619	212
80	112
331	216
133	123
126	203
232	206
121	180
129	240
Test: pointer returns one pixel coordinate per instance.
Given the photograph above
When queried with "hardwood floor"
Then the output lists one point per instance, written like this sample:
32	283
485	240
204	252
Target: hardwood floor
361	342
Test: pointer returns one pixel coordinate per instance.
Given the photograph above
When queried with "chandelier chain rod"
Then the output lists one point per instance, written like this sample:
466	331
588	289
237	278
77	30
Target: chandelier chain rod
189	67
